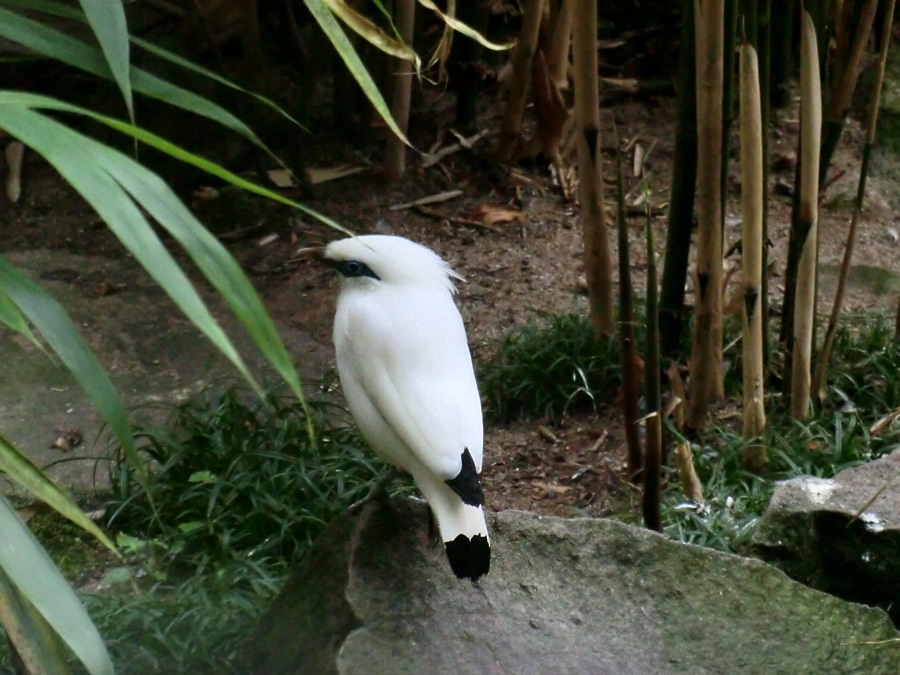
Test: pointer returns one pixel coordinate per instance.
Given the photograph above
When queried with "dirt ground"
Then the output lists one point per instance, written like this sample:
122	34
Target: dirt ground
515	272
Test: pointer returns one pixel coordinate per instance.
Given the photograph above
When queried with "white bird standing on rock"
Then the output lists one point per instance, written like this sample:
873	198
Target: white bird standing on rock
407	376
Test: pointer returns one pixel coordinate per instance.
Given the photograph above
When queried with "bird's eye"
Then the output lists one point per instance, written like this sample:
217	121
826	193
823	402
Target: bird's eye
354	268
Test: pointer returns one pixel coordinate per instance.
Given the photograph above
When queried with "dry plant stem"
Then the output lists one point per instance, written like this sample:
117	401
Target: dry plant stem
871	126
630	370
597	261
395	153
511	126
706	353
845	77
560	42
690	483
551	112
15	152
653	452
805	301
754	456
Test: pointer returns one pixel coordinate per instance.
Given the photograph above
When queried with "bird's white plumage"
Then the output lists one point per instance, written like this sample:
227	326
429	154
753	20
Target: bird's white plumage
406	370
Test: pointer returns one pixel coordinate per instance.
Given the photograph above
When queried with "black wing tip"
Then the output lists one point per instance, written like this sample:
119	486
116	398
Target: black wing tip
469	558
466	483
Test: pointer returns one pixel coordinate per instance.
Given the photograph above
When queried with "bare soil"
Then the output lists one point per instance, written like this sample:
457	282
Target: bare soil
515	272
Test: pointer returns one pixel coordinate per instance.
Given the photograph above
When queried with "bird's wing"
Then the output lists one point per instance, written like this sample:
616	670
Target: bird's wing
410	358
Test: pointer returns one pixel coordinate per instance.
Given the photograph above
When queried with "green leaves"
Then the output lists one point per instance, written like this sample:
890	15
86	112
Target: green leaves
338	37
34	597
107	20
51	320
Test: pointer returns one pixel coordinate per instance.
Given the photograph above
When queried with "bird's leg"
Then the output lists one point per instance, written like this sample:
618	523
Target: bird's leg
377	493
434	533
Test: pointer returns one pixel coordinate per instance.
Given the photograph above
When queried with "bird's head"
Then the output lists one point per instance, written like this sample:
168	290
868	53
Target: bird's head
378	259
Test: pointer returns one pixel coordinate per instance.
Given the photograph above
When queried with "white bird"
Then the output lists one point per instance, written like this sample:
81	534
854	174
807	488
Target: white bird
406	373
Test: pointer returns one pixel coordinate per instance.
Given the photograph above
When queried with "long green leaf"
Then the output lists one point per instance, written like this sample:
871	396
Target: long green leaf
17	98
20	469
92	162
37	645
107	20
58	45
76	157
51	320
12	317
338	37
210	256
31	571
64	11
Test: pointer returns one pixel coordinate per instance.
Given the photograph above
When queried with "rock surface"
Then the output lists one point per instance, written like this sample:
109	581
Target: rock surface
375	596
810	531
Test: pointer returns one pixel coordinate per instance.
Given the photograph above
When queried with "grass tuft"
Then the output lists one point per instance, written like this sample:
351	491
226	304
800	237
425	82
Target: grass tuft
236	481
547	370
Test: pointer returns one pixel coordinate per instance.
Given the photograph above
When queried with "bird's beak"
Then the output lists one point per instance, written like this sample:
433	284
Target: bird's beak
310	253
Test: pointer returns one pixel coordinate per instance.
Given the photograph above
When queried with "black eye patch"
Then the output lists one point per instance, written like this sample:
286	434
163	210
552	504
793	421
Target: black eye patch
353	268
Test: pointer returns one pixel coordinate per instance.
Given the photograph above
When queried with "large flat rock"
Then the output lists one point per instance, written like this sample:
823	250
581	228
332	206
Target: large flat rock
811	531
376	597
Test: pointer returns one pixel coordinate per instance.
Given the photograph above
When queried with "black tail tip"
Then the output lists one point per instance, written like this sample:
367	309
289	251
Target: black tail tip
469	558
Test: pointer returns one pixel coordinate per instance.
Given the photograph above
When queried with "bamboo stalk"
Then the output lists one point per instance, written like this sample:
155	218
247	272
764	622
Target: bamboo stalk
805	300
511	126
765	74
653	451
871	126
597	262
754	456
728	91
681	194
844	81
706	352
782	50
560	44
395	153
630	371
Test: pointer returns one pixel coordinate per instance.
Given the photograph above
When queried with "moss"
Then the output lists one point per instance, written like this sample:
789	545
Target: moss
74	551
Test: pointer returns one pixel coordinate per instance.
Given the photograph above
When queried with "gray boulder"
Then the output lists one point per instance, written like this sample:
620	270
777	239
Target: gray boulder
375	596
810	531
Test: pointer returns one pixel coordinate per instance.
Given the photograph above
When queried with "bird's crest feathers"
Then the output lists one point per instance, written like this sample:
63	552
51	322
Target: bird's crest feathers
395	260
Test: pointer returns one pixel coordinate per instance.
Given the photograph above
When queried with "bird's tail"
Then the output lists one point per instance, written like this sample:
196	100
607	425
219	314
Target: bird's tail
463	530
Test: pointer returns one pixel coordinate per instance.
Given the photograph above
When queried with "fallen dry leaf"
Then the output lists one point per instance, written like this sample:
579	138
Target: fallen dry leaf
490	214
318	176
68	440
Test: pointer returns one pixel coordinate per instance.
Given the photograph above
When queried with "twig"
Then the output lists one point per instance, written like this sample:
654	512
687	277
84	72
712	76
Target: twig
431	199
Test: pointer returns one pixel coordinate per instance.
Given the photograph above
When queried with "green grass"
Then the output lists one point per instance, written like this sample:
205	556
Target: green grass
555	367
549	369
234	481
195	626
240	490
